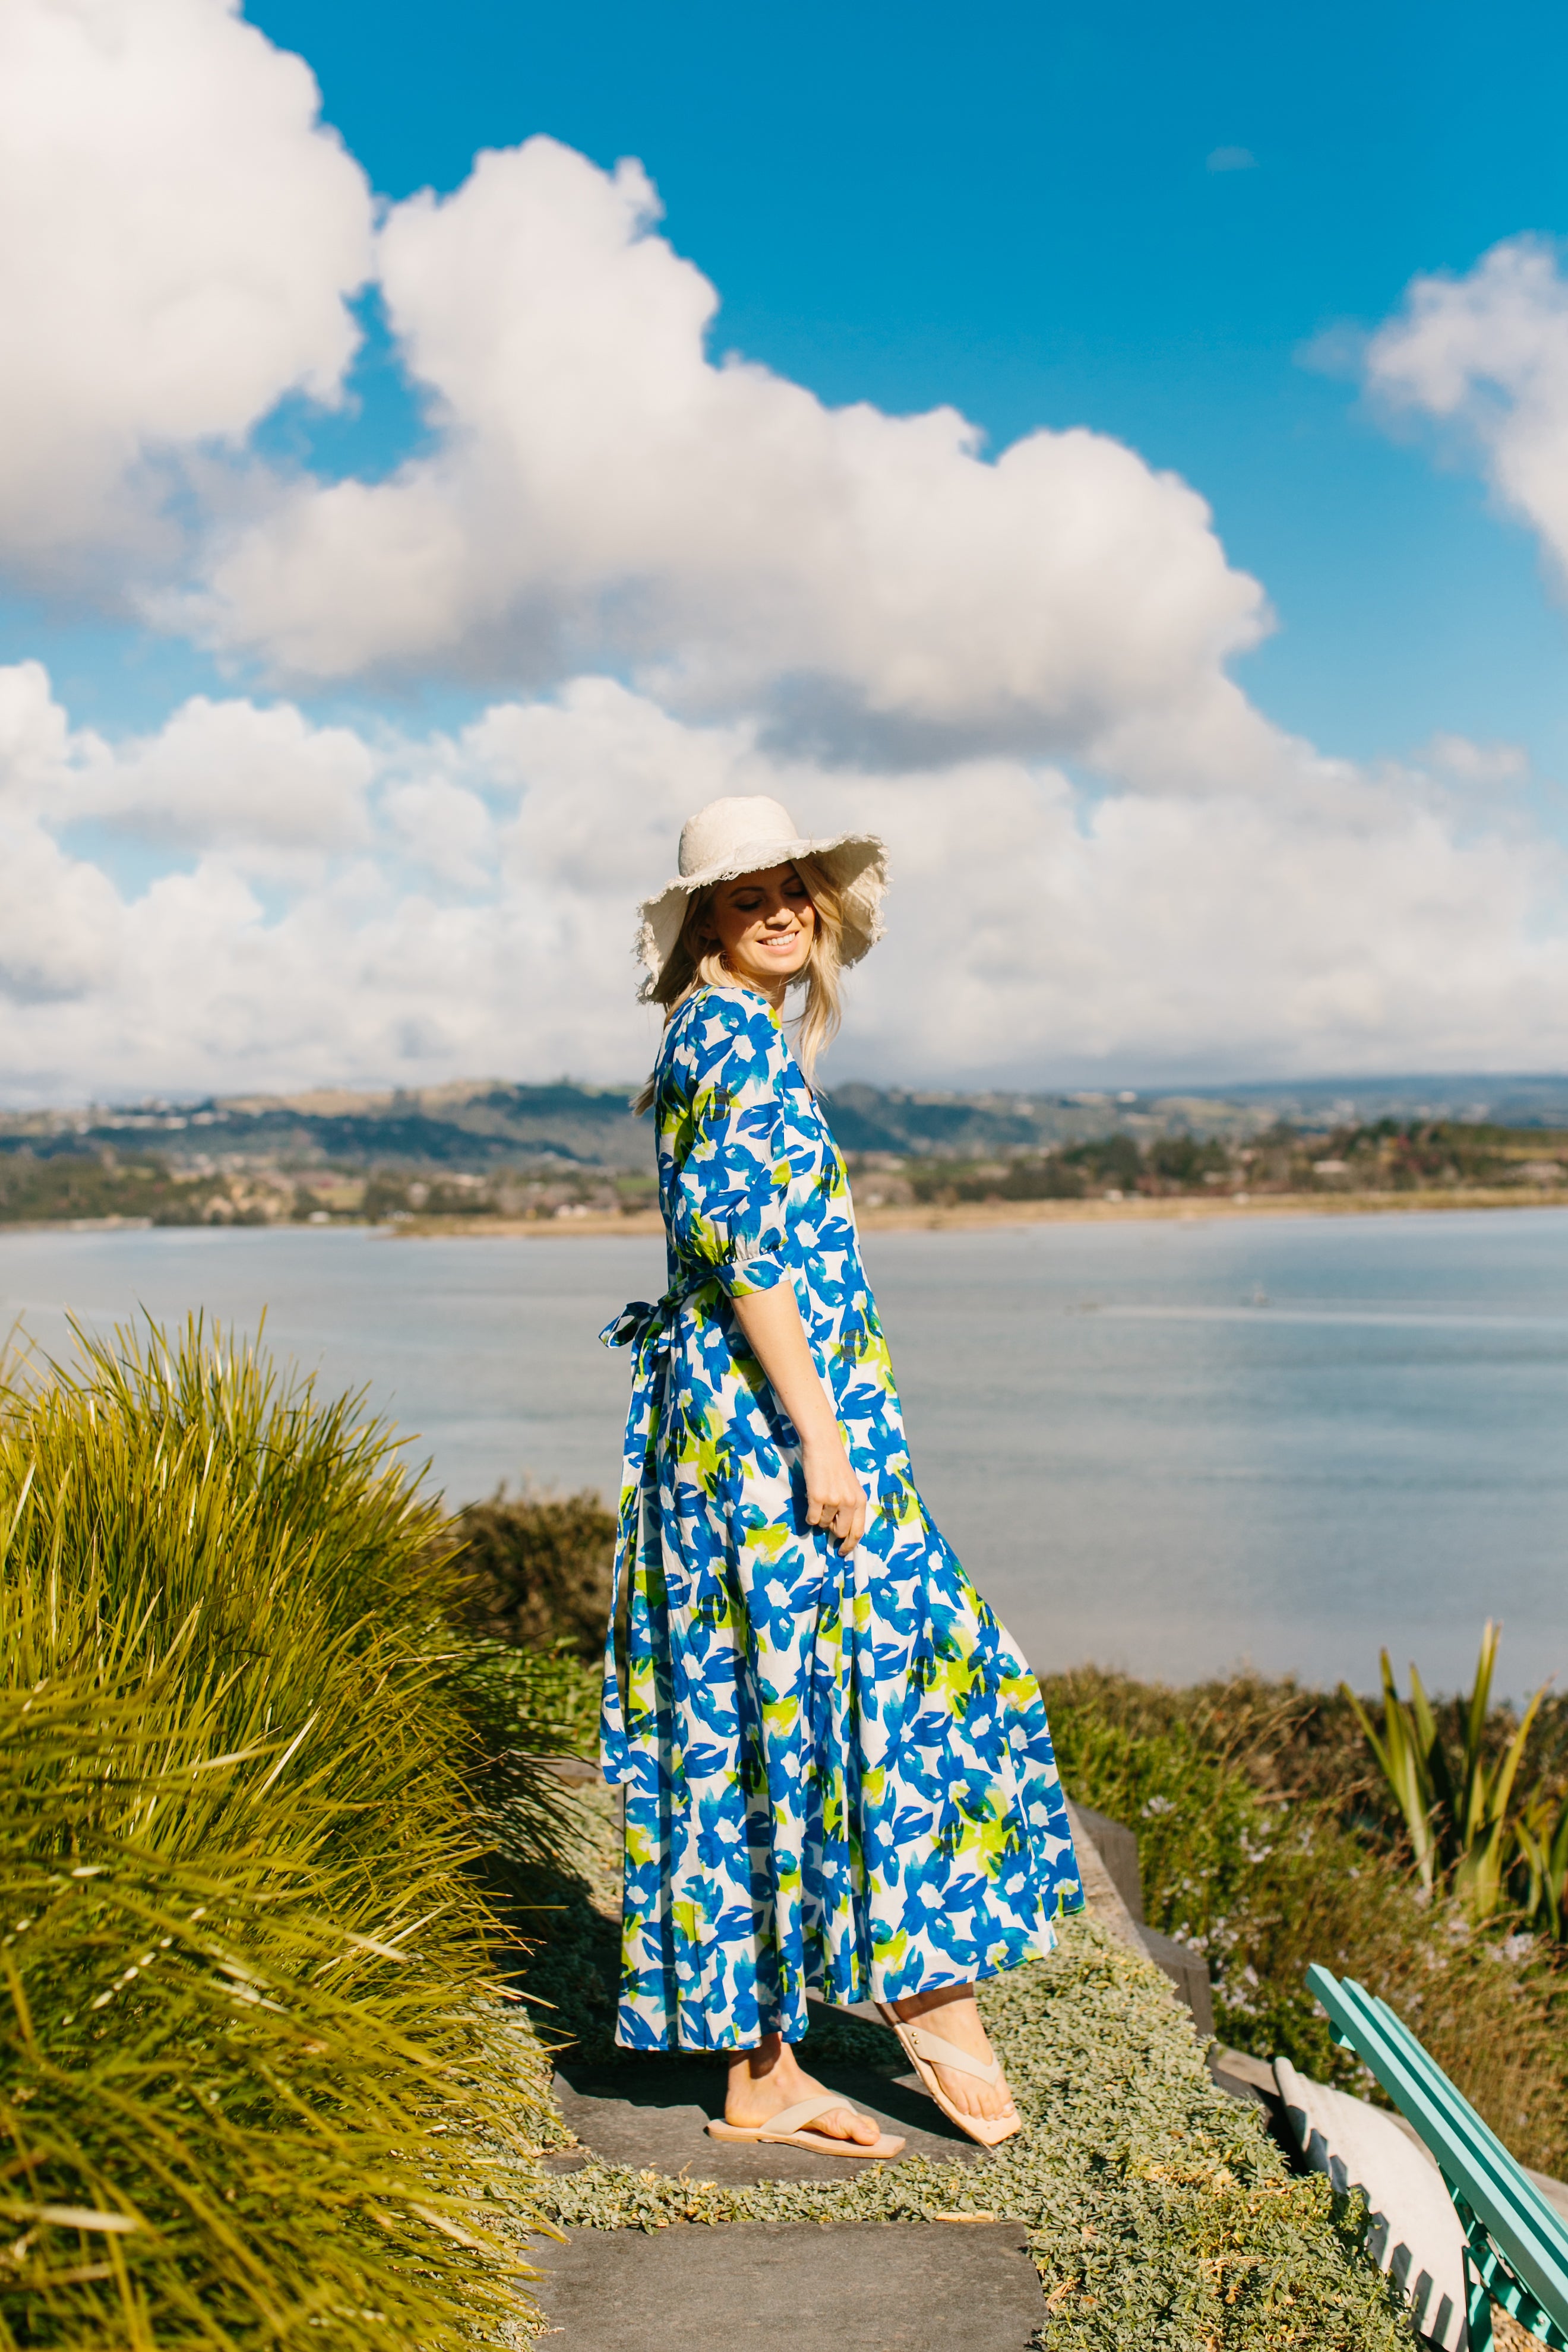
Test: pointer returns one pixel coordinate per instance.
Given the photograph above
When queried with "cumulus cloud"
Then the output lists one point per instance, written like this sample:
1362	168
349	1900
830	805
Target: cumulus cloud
180	233
606	494
260	784
602	492
1488	353
475	916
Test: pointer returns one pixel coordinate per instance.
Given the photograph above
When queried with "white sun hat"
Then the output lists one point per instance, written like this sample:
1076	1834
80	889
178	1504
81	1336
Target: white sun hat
747	834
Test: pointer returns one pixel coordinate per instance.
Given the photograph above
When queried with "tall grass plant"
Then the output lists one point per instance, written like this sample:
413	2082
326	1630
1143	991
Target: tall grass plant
259	2087
1454	1800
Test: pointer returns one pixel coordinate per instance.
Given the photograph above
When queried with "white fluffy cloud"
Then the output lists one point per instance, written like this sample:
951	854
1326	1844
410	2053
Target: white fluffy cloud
1488	352
179	234
605	493
601	493
261	786
473	911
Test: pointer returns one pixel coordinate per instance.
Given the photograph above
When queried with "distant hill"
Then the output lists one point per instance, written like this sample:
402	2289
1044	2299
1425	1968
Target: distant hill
486	1124
1505	1099
961	1127
479	1125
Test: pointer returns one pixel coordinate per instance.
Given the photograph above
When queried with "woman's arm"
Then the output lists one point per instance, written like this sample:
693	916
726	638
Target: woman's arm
835	1498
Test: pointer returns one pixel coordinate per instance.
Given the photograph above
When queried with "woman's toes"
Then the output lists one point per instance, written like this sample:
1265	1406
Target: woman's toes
992	2101
847	2123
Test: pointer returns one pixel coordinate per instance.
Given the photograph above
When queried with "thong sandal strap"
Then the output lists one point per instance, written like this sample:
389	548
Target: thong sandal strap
921	2044
789	2119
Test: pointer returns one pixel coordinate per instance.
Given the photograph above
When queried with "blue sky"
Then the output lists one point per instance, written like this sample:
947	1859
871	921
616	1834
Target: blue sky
382	576
1023	221
1017	217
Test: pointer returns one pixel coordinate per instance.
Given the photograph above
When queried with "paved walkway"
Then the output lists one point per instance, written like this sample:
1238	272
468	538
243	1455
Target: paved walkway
902	2288
878	2287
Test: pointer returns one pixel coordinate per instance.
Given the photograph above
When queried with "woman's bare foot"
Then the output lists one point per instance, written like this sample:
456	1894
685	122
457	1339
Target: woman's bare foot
951	2011
764	2081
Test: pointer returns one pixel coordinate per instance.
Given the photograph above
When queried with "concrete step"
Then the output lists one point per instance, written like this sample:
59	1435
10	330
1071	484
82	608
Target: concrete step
656	2113
876	2286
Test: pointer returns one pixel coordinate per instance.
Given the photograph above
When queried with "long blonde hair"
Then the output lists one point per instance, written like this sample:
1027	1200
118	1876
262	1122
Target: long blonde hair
695	963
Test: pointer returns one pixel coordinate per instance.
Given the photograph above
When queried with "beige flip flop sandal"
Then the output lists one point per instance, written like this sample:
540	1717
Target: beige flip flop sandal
787	2130
927	2050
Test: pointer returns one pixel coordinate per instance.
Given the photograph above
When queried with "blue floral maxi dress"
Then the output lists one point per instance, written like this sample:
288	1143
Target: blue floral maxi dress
838	1773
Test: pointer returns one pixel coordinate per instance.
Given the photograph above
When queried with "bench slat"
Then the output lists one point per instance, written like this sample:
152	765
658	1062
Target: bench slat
1478	2133
1495	2197
1527	2231
1455	2128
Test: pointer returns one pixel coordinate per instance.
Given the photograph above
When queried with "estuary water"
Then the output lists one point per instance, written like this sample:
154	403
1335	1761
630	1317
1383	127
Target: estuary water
1169	1448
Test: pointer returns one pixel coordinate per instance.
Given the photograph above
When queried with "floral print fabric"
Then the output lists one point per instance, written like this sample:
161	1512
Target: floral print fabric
838	1773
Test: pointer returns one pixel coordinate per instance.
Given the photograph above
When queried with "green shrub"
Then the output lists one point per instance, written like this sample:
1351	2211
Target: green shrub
258	2087
536	1569
1262	1883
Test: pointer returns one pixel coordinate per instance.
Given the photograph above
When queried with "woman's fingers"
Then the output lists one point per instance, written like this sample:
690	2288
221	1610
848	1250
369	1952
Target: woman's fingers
848	1524
842	1517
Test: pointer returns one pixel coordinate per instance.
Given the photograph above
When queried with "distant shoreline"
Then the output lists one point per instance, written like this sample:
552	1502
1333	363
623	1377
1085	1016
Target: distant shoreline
905	1217
987	1216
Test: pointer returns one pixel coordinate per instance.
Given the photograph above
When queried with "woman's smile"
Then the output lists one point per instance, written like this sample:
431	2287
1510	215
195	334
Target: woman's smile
764	925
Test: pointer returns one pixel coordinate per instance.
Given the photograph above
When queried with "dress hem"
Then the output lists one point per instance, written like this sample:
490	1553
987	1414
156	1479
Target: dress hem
1044	1942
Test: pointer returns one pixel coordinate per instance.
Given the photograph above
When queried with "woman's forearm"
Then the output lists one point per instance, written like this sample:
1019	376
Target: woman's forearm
835	1499
776	1336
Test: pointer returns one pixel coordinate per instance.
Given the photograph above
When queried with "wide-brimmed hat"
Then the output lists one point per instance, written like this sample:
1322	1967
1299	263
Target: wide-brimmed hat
747	834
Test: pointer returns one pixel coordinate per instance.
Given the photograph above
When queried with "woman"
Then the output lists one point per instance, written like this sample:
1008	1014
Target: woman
838	1773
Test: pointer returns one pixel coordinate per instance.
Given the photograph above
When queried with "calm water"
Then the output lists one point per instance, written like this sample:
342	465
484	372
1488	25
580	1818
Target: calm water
1166	1447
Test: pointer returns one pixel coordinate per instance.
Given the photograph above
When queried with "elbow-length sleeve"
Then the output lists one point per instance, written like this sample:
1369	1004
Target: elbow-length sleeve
721	1119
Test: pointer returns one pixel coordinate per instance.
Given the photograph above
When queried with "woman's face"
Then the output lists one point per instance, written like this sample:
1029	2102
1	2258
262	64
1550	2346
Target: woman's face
764	924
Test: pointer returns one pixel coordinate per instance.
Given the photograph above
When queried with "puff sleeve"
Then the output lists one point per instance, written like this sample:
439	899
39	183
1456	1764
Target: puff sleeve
722	1115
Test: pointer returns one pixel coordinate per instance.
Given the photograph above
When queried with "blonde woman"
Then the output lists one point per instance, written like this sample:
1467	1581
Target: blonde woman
838	1774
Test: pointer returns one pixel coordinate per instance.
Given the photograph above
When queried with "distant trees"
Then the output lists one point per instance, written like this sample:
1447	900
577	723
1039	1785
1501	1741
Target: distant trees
1386	1155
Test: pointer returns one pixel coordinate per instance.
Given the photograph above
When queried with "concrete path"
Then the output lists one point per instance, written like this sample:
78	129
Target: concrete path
875	2286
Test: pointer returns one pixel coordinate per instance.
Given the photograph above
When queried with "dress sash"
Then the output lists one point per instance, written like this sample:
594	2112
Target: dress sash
649	1332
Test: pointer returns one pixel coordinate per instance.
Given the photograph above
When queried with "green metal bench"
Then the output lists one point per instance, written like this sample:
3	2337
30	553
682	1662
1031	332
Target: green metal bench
1516	2244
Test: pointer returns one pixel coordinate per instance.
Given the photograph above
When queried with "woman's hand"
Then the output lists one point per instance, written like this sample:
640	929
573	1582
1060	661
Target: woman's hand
835	1498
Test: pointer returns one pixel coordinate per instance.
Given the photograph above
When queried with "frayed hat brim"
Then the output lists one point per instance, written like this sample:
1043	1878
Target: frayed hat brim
857	863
